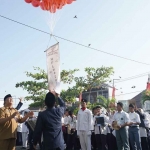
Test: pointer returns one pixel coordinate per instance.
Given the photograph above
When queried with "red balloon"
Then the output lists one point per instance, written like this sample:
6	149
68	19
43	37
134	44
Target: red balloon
42	6
69	1
28	1
53	9
36	3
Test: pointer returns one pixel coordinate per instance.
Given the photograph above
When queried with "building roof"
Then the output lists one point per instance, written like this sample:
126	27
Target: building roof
137	100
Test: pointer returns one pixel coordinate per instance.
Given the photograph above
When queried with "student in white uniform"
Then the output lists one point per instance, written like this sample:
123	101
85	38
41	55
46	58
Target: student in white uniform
66	123
134	133
143	132
101	129
25	133
72	135
93	137
122	119
84	125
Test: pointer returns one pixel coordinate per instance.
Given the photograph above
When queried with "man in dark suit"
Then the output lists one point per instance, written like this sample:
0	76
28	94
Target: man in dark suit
19	104
49	123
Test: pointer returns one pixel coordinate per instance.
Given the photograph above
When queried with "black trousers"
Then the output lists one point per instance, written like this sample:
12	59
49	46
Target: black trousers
144	143
93	141
19	139
65	134
30	140
111	142
71	140
101	141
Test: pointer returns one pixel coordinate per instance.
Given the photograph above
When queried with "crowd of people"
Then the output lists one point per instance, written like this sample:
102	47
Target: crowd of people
113	130
57	128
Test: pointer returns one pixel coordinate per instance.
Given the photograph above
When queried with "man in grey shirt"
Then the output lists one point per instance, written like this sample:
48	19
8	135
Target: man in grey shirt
122	119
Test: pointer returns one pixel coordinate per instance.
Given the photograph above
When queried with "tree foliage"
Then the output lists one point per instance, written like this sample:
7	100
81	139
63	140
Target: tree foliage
95	77
146	96
37	86
106	103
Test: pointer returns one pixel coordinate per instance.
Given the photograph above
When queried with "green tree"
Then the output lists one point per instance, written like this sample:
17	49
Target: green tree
37	87
94	78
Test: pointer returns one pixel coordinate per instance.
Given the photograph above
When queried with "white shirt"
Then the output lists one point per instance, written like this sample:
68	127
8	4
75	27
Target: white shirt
135	118
121	117
24	128
101	129
19	127
72	122
66	120
85	120
62	120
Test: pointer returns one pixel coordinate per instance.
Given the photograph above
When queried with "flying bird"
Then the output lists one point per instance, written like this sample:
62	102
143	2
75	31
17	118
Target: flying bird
89	45
119	77
75	16
133	87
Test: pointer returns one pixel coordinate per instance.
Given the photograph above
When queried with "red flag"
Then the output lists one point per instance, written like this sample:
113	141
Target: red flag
80	97
148	86
113	92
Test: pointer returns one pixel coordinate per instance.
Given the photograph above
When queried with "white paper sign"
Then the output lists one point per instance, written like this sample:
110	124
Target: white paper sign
53	68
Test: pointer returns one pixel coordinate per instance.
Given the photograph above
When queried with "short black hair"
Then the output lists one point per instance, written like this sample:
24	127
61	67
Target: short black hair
25	112
98	107
121	104
7	96
67	110
93	108
84	100
70	113
131	105
50	100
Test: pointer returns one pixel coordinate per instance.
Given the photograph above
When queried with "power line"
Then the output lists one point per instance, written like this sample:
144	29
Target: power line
74	42
133	77
130	93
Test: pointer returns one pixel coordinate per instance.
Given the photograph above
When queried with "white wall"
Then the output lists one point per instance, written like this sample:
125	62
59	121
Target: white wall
1	103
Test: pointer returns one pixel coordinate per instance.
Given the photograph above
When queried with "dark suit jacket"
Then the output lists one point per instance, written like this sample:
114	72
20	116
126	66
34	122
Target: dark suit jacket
19	105
49	123
142	117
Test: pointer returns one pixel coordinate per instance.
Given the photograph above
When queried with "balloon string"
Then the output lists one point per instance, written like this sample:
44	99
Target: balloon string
49	40
55	38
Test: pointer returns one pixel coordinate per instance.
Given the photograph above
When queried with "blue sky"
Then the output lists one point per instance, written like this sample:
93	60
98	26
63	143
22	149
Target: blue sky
114	26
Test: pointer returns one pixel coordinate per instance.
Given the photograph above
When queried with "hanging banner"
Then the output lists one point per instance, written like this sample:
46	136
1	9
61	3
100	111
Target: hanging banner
53	68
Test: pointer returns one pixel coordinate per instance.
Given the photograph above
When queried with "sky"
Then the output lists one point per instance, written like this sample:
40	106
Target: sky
114	26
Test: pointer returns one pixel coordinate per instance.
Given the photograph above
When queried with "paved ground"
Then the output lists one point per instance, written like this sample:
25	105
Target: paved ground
20	148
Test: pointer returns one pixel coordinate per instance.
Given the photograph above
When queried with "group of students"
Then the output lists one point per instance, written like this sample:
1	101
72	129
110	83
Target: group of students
113	130
116	130
25	133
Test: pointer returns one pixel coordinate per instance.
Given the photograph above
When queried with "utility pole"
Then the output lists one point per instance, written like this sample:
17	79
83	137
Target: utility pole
114	82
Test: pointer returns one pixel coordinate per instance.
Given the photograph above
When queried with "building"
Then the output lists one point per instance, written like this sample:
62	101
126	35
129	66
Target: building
104	90
137	100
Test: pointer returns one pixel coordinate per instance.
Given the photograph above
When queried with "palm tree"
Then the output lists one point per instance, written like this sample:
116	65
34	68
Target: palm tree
106	103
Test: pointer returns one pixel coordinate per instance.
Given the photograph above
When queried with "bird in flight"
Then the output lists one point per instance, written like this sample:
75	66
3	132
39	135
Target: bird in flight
133	87
75	16
89	45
